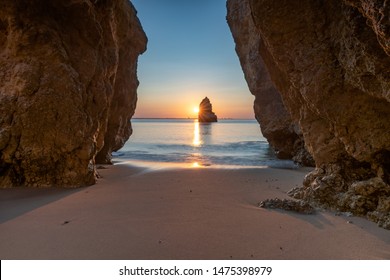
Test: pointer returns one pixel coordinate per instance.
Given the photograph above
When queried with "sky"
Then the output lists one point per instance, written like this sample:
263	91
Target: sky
190	55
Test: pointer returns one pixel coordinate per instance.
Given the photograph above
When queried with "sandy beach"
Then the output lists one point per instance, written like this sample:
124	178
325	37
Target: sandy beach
180	213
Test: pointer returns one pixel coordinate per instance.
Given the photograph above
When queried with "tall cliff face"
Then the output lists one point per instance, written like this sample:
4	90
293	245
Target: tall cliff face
330	62
67	87
281	131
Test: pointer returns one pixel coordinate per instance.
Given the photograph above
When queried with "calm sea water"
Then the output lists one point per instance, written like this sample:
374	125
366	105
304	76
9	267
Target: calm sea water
229	143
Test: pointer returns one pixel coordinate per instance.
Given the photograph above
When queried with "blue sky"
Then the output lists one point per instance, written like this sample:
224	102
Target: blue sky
190	55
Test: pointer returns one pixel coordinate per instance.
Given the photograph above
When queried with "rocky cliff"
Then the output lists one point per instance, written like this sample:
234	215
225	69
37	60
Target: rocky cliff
206	113
282	133
329	60
67	87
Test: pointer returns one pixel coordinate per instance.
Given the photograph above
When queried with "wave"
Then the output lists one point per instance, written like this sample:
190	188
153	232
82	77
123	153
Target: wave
245	153
242	146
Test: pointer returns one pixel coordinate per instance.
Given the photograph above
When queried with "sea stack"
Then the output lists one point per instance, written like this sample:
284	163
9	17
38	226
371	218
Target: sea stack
206	113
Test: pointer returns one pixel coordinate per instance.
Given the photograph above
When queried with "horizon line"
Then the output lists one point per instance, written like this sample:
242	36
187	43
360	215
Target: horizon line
183	118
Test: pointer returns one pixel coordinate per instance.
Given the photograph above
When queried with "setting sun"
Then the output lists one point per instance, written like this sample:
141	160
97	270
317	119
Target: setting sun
196	109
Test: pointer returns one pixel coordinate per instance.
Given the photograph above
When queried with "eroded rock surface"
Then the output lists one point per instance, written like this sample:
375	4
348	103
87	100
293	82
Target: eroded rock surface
67	87
282	133
330	62
298	206
206	113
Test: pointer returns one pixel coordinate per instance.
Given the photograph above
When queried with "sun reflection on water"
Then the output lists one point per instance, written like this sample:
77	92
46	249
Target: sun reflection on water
196	140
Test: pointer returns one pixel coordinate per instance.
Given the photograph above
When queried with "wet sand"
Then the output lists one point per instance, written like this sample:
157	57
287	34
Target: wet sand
181	213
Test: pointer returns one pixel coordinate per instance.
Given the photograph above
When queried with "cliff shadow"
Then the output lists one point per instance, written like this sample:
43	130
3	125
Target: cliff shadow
15	202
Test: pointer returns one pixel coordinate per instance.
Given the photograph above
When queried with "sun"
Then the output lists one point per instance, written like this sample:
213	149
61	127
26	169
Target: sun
196	109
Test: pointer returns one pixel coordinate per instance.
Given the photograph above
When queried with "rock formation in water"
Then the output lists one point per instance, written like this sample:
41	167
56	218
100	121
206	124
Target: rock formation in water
329	60
206	113
67	87
283	135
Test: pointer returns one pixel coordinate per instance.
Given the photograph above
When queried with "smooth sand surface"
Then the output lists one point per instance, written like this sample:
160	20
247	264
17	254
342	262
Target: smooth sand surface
200	213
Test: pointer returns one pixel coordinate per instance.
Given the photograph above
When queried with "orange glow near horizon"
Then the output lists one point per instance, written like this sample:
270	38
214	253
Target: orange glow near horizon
183	106
196	110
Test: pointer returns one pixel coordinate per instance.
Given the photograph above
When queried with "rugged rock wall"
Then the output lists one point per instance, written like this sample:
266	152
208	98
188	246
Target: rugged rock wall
276	124
130	42
67	87
330	62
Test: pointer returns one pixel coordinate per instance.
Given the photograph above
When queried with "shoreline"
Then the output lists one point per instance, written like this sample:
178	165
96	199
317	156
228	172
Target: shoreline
194	213
157	165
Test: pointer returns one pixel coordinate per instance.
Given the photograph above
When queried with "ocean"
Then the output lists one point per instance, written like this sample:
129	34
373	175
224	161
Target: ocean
227	143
